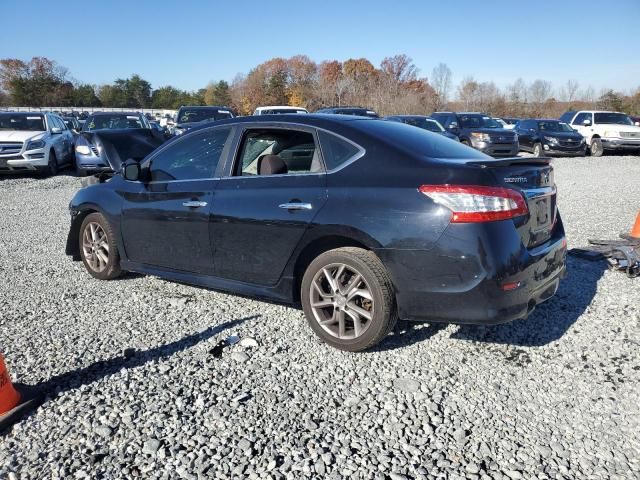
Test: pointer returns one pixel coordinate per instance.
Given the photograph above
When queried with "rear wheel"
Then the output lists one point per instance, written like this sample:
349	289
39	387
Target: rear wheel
537	149
596	148
348	298
98	248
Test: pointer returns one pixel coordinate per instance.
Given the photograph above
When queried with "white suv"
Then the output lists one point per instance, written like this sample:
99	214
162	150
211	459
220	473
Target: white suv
278	109
34	142
605	131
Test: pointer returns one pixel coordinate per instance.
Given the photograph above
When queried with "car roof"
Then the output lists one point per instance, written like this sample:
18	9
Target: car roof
25	113
598	111
426	117
284	107
111	113
204	107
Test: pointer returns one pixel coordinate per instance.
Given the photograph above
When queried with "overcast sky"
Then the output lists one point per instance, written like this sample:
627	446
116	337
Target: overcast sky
187	44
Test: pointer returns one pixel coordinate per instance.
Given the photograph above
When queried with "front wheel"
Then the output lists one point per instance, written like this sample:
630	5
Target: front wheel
52	165
348	298
537	149
596	147
98	248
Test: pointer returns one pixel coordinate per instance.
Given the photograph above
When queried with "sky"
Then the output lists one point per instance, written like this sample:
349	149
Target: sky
187	44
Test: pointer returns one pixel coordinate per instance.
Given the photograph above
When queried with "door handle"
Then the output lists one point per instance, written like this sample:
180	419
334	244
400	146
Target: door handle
296	206
194	204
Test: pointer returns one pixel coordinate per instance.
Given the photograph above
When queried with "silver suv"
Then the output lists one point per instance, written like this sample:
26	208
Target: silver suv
34	142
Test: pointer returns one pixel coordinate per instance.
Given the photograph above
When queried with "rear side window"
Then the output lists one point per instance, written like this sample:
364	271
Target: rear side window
335	150
190	158
416	141
277	151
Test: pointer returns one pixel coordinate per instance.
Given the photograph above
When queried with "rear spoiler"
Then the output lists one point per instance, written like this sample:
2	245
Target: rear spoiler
506	162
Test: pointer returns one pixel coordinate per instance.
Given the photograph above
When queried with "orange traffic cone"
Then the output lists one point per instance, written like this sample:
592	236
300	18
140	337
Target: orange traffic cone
9	396
635	231
14	402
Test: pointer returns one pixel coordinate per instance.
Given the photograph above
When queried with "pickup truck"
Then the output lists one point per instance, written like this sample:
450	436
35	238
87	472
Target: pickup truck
605	131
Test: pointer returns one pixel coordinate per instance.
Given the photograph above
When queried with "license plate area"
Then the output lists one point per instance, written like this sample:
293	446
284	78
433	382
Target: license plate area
542	213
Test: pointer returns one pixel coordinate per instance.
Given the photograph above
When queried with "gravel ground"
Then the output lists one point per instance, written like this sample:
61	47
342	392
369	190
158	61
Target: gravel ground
139	395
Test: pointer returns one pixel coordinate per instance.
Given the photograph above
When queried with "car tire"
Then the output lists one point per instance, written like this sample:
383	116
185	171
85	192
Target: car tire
595	148
537	149
52	165
357	308
98	248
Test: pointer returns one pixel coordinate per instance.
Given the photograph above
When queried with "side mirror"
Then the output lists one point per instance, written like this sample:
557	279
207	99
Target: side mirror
586	122
56	131
131	171
453	126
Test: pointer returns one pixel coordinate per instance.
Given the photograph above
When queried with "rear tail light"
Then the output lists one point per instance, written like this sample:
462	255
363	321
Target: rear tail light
476	203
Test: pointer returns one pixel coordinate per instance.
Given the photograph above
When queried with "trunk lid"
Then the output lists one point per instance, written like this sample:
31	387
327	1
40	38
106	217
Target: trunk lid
533	177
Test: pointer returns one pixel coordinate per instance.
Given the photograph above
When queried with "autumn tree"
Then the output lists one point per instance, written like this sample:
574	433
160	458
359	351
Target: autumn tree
217	94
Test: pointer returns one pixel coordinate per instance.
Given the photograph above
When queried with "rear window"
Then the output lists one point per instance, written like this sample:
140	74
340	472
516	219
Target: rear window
418	141
335	150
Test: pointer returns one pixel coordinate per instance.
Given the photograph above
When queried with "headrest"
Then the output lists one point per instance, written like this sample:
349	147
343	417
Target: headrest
271	165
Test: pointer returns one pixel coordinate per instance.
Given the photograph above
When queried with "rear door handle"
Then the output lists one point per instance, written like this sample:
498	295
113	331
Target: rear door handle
194	204
296	206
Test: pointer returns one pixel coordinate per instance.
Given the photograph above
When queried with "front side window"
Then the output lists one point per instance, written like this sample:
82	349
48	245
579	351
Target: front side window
192	157
273	151
581	117
335	150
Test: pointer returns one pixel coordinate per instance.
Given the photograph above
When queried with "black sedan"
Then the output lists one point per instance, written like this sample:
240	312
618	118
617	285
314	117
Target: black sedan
422	121
360	221
549	137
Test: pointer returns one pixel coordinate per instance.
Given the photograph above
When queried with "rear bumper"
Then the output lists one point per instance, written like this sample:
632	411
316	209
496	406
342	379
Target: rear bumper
461	279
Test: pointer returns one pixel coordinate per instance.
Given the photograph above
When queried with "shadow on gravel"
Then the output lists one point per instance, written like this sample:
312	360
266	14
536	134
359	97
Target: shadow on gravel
407	333
130	359
66	172
550	320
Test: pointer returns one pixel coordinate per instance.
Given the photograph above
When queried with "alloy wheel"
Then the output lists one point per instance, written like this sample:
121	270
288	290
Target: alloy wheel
341	301
537	150
95	246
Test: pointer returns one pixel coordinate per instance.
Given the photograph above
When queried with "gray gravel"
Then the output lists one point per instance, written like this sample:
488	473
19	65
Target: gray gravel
137	393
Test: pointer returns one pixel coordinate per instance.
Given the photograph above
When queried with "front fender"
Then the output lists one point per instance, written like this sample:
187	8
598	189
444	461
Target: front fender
94	198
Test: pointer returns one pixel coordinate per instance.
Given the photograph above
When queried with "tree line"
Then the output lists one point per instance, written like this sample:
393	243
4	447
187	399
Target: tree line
393	87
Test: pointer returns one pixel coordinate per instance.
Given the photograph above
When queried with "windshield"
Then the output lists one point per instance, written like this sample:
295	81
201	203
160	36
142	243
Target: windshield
31	123
613	118
190	115
478	121
425	123
554	127
113	121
